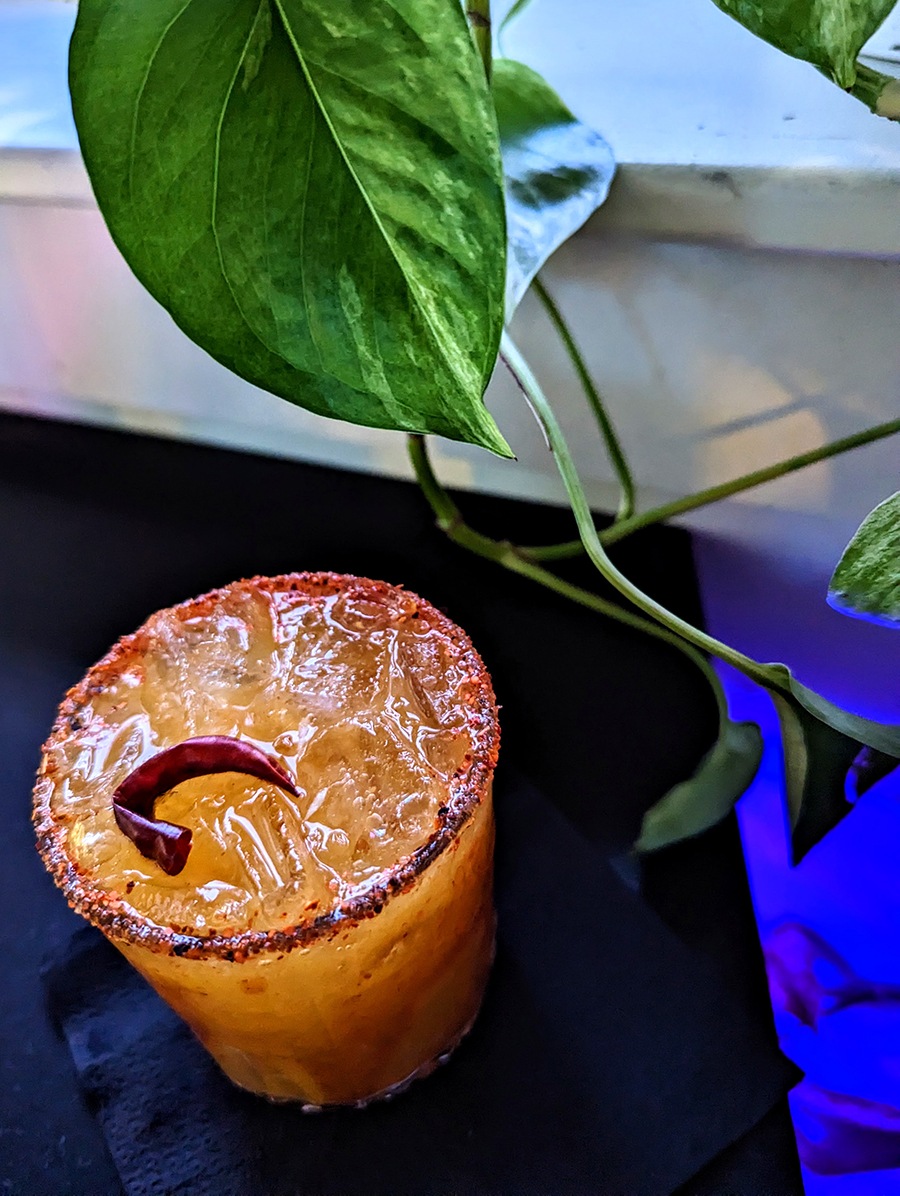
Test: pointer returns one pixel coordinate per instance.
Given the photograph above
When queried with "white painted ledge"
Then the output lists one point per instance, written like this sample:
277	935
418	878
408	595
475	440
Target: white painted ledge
718	136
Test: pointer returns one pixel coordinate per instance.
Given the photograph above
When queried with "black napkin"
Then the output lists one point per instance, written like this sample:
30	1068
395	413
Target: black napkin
607	1059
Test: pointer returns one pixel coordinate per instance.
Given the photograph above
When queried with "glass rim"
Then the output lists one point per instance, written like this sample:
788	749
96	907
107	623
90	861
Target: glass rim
467	789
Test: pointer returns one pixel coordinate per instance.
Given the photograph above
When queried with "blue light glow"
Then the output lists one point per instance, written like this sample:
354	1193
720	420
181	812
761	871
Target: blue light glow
831	932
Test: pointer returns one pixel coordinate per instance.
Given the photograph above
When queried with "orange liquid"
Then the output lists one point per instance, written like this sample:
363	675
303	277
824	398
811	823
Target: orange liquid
367	705
349	1019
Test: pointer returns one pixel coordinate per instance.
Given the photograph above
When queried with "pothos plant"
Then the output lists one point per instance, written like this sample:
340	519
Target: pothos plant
344	201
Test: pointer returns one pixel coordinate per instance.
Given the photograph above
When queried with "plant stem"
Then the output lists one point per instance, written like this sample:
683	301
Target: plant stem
449	519
447	515
748	480
530	387
478	14
877	91
607	431
712	494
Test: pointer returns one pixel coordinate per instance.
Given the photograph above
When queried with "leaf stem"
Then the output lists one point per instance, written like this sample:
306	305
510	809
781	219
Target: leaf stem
478	14
877	91
450	520
530	387
702	498
607	431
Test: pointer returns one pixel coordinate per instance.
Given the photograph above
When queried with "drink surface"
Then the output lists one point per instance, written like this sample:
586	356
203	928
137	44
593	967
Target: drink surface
361	700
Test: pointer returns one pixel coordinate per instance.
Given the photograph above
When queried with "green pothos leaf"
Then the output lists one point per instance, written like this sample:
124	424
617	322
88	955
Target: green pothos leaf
558	171
817	760
868	769
314	192
866	582
828	34
883	737
695	805
831	757
824	746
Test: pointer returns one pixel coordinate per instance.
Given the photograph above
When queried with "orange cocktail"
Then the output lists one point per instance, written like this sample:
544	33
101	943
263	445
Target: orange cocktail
327	939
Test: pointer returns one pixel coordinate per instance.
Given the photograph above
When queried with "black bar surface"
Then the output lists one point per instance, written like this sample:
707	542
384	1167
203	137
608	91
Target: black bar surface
97	529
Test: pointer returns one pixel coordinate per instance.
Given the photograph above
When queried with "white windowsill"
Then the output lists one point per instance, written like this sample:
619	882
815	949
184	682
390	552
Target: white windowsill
718	136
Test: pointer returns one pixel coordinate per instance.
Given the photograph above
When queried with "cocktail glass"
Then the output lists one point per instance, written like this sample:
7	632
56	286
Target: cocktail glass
329	949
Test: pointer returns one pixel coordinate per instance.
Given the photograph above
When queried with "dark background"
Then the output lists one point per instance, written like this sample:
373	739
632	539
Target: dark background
98	529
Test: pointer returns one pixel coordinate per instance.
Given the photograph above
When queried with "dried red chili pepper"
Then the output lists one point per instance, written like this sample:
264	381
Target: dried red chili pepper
165	842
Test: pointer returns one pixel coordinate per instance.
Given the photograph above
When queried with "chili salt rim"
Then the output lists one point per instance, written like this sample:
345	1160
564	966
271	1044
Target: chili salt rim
120	921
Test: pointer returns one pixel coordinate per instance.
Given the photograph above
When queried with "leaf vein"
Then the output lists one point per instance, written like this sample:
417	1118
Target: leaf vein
412	284
140	95
215	188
